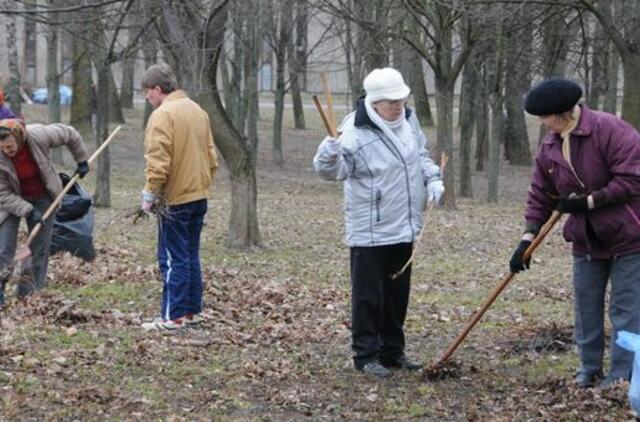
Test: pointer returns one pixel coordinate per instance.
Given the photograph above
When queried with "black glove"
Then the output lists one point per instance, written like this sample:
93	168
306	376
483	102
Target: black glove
517	262
82	169
573	204
36	216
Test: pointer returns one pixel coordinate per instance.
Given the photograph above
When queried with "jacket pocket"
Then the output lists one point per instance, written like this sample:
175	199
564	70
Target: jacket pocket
378	201
616	226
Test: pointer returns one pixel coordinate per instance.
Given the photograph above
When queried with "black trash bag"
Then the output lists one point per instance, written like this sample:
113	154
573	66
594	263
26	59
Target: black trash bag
75	203
73	224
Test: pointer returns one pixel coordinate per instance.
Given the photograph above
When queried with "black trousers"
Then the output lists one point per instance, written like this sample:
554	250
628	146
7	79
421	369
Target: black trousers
378	304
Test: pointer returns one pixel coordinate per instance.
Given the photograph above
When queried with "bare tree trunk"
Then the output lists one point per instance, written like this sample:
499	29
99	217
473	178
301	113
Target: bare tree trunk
237	152
234	99
115	106
53	85
555	45
102	194
150	53
225	77
613	66
376	52
493	172
418	88
127	88
296	96
15	100
599	66
81	85
302	41
252	61
497	99
280	47
196	44
297	45
630	97
354	59
482	131
516	85
100	58
467	106
444	130
611	95
278	113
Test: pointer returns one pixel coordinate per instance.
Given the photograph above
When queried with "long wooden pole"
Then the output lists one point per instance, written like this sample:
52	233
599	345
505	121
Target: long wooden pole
327	94
546	228
66	189
331	130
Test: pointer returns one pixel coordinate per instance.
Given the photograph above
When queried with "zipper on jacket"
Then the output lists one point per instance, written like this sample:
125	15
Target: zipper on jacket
378	200
408	183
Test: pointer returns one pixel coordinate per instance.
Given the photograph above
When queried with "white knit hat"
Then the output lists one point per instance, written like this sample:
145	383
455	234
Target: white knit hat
385	84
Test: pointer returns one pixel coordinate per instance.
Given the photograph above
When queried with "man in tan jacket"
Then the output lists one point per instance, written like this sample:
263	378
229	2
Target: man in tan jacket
181	161
28	185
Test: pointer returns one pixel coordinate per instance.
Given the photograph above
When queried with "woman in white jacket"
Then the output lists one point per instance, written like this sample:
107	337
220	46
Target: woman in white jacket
388	177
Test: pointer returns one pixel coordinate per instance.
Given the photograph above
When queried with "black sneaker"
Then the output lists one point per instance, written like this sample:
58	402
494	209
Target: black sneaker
375	368
587	380
403	363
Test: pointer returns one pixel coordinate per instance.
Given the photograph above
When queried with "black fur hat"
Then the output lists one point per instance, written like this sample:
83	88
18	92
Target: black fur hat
552	96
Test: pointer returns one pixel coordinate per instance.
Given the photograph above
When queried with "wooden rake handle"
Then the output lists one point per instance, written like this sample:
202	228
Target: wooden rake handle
331	129
68	186
327	95
546	228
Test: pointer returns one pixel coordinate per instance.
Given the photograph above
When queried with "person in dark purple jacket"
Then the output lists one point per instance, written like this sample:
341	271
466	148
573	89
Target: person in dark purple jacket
5	112
588	166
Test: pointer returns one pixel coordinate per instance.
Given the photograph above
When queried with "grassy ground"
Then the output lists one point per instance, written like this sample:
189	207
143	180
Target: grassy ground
275	341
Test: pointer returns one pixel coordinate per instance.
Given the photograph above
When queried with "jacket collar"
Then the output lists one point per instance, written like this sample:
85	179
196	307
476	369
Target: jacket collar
583	129
178	94
362	119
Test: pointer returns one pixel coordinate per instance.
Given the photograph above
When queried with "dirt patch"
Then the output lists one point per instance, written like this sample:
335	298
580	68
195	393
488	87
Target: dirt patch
548	338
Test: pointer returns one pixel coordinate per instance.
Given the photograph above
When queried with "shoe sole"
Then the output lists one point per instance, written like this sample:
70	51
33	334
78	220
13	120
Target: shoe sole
160	327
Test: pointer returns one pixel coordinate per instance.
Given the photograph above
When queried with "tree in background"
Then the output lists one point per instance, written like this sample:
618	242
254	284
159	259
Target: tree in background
297	53
53	82
278	34
13	95
446	55
196	41
625	36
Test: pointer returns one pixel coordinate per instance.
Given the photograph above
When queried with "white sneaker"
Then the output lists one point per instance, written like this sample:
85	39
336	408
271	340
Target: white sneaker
192	319
159	324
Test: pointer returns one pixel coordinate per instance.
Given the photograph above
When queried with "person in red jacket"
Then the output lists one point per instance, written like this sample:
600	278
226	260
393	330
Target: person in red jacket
588	166
28	185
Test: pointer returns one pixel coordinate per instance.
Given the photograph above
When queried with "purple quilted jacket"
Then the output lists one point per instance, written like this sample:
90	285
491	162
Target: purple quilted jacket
605	153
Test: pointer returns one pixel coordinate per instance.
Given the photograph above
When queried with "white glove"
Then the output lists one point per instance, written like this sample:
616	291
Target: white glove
332	145
435	190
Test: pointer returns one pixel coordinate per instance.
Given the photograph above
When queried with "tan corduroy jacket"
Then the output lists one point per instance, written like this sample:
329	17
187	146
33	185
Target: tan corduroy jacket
179	149
40	139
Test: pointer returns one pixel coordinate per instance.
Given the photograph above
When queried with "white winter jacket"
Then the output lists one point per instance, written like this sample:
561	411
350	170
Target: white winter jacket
384	185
